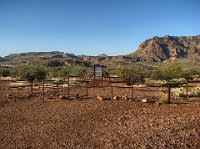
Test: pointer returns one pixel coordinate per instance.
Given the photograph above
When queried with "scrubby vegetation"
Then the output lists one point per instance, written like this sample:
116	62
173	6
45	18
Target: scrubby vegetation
4	72
135	73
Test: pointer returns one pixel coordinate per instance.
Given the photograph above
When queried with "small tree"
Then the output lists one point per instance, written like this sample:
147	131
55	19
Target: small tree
64	73
40	75
131	76
114	71
30	77
79	71
169	73
155	74
188	75
5	72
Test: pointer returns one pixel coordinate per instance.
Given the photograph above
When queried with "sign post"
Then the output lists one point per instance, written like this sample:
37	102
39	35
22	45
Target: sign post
98	71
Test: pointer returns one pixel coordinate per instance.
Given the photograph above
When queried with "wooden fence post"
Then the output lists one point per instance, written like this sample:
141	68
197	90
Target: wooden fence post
68	86
111	92
132	92
169	91
43	90
187	85
87	92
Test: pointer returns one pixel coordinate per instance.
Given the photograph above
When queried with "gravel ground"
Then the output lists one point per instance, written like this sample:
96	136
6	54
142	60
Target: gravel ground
89	123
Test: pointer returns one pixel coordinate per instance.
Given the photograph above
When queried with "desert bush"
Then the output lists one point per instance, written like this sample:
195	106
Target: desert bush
52	72
18	71
30	77
178	92
173	83
114	71
196	91
171	72
40	74
79	71
5	72
55	63
167	73
155	74
131	76
190	74
163	98
150	82
64	73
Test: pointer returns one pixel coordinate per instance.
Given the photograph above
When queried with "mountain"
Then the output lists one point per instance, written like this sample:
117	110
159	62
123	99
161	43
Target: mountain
2	59
56	58
37	54
158	49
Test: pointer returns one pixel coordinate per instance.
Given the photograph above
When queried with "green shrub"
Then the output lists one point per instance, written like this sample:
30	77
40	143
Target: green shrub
40	74
131	76
163	98
64	73
177	92
79	71
29	75
171	72
5	72
55	63
18	71
196	91
190	74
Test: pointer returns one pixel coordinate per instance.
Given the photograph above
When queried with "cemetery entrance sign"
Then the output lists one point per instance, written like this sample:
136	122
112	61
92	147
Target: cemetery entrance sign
98	74
98	71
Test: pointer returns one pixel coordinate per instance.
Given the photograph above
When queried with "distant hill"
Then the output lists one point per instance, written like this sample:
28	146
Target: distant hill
168	47
56	58
2	59
156	49
37	54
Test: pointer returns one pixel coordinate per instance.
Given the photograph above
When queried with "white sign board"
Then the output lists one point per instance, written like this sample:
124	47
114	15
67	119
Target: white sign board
98	71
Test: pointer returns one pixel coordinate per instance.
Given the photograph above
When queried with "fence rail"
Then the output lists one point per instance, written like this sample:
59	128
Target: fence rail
90	87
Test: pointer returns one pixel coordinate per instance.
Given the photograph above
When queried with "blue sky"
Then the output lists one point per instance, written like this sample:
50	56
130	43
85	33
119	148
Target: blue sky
92	27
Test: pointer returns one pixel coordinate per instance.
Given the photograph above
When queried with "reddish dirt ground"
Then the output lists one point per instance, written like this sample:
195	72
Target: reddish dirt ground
89	123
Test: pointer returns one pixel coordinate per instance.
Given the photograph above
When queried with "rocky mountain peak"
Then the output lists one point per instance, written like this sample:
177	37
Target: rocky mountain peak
169	47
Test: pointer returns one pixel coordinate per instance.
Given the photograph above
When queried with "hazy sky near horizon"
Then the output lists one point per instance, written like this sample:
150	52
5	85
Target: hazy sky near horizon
92	27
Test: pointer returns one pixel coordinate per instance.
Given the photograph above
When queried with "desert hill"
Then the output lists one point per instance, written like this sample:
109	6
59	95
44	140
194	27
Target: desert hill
156	49
57	58
168	47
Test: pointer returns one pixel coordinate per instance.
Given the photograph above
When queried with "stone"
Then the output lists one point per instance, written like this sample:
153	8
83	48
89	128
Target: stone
116	98
62	97
124	98
144	100
100	98
106	98
158	103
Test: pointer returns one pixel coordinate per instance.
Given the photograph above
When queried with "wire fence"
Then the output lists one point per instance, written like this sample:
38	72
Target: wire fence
76	87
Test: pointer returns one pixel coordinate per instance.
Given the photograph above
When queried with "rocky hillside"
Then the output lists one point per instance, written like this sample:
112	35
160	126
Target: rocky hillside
2	59
156	49
57	58
168	47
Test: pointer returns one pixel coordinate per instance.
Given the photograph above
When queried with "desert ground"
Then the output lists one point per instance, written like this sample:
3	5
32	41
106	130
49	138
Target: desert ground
28	122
